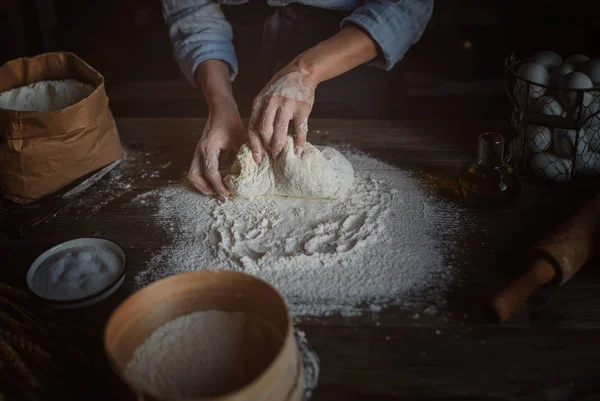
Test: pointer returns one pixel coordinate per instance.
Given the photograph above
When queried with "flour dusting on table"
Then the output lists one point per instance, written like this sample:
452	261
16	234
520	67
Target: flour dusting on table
389	238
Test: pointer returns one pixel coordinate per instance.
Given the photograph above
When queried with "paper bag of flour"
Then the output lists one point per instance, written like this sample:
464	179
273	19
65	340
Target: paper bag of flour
51	135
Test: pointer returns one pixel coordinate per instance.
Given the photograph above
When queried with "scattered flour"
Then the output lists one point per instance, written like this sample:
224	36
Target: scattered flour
76	273
310	364
45	95
116	183
387	240
208	353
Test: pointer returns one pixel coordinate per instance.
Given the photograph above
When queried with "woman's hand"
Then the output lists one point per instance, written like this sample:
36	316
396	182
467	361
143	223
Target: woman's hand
287	97
224	130
290	94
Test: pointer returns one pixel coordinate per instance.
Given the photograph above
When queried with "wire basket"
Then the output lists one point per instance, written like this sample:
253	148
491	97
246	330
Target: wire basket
556	132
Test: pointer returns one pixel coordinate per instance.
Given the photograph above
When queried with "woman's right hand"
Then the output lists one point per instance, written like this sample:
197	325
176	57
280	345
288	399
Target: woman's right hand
224	130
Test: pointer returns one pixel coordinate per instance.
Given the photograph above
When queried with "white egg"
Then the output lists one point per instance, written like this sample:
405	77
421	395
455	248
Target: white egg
591	68
538	138
566	142
592	138
548	165
588	163
573	80
591	109
576	59
547	58
547	106
557	73
535	73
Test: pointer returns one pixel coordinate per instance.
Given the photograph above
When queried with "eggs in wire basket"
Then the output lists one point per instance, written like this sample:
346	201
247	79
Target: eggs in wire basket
556	115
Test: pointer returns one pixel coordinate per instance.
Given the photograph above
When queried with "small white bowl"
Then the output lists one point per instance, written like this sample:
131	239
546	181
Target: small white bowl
92	298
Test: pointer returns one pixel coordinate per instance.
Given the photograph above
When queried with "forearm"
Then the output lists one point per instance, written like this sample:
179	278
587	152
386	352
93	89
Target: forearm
342	52
214	78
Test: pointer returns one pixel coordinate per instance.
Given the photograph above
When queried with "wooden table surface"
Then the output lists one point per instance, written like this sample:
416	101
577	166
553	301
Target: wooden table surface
551	353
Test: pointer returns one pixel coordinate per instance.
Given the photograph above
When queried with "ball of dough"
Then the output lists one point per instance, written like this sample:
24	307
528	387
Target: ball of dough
320	172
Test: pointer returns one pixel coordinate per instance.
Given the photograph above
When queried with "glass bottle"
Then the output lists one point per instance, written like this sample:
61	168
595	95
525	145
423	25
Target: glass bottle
489	181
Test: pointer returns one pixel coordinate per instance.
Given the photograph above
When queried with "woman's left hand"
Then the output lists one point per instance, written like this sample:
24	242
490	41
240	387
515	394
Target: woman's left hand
287	97
290	94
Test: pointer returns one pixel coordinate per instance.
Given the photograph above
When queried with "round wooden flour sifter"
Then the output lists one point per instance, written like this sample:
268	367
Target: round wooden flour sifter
273	362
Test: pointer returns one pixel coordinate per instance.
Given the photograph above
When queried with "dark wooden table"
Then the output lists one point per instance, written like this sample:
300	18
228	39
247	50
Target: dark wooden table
550	353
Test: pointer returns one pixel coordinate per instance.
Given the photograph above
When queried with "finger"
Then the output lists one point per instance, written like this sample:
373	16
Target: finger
194	174
200	183
300	131
211	172
282	121
254	138
267	120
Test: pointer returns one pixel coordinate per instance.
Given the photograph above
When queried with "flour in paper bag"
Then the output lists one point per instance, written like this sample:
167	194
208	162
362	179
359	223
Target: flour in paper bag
45	95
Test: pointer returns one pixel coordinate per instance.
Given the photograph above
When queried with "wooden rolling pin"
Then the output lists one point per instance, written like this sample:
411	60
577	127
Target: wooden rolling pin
553	260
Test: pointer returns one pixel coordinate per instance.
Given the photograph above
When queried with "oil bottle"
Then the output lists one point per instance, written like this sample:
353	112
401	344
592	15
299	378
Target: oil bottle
488	181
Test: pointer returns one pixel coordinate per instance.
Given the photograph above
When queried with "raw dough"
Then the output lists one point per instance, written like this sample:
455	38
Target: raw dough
320	172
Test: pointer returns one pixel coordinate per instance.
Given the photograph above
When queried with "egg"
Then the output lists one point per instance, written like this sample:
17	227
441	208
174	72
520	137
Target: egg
588	163
534	73
591	136
537	138
591	68
557	73
573	80
576	59
546	58
547	106
591	109
566	142
552	167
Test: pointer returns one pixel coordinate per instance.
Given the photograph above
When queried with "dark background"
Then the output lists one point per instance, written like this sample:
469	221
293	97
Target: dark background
461	55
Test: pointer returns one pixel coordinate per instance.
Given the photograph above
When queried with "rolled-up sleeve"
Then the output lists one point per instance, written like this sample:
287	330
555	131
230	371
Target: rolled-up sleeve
393	25
199	31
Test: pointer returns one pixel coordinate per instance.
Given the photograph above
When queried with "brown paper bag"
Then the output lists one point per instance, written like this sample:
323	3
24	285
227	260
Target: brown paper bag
42	152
